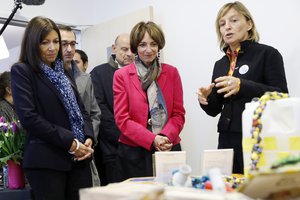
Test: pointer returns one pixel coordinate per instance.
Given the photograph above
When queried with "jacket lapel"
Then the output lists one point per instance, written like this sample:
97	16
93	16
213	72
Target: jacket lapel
135	80
46	80
162	79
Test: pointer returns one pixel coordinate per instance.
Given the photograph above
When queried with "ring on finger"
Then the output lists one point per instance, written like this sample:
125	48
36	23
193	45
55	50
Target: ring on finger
228	83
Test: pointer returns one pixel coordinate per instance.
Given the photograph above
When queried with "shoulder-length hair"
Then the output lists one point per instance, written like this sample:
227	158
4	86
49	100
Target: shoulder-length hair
36	31
239	7
138	32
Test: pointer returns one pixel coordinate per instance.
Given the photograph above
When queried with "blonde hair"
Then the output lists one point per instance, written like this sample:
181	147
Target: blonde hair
239	7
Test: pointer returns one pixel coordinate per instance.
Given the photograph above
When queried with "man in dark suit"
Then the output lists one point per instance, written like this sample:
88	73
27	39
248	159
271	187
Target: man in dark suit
84	86
102	78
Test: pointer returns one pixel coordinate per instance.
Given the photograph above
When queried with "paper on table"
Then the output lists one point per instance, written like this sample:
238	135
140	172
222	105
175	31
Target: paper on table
167	162
217	158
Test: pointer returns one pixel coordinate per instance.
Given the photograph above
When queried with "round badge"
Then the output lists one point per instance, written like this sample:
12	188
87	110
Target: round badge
244	69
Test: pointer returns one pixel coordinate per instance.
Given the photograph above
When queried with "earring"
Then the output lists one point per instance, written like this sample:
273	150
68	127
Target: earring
158	55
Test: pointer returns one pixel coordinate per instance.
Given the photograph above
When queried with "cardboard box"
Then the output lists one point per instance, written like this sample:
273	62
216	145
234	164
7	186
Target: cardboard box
282	185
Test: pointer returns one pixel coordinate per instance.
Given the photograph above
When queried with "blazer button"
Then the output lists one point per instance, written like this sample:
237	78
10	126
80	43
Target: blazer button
149	122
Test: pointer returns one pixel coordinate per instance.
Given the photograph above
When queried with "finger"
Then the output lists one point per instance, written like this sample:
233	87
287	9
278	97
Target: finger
84	157
228	94
88	142
90	150
166	139
158	149
221	79
167	147
231	92
222	84
223	90
201	98
203	101
212	85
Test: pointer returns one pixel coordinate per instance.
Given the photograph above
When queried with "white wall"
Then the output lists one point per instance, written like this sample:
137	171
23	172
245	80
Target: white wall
191	45
96	40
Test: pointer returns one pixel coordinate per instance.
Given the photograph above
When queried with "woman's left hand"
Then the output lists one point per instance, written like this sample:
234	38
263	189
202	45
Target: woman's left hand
229	85
162	143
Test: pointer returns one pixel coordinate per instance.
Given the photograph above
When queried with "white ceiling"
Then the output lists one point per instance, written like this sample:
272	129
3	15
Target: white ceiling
74	13
12	36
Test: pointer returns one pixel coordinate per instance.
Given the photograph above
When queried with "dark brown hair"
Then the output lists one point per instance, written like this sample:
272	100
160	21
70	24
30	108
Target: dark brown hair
37	29
139	30
4	83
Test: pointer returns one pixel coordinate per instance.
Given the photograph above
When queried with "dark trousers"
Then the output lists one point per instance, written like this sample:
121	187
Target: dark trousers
233	140
111	174
106	168
136	161
108	172
49	184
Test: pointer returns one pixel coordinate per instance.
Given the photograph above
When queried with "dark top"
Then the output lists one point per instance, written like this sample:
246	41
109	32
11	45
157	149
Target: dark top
260	69
42	114
102	78
7	111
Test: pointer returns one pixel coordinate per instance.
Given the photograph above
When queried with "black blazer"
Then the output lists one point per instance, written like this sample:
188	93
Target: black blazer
260	69
45	119
102	78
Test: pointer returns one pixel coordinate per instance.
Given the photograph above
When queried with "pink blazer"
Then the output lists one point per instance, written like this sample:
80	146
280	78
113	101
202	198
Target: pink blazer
131	107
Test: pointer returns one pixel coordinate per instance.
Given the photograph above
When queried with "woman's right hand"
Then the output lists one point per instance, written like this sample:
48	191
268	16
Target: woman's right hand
203	93
83	152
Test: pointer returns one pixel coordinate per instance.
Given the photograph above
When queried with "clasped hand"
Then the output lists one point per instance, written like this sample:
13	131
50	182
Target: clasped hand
85	150
162	143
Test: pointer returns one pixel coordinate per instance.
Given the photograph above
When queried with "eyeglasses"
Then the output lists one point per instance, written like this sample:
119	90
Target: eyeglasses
65	44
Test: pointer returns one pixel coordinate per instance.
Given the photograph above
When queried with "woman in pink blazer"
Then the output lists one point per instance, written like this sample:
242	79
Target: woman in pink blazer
148	104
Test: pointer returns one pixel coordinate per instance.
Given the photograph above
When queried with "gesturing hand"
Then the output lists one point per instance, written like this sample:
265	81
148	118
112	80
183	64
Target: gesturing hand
203	93
229	85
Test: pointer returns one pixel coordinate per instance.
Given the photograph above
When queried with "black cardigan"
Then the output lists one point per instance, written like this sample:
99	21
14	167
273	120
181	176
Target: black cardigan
260	69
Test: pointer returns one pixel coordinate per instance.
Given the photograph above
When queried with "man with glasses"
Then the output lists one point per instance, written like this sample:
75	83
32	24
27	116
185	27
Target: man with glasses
84	86
102	77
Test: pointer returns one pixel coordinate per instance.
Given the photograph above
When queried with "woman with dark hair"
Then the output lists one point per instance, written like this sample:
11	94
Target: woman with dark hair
6	100
148	103
247	70
59	134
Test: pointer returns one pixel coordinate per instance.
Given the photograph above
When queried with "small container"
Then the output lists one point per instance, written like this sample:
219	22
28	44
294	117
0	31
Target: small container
5	177
182	176
216	180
